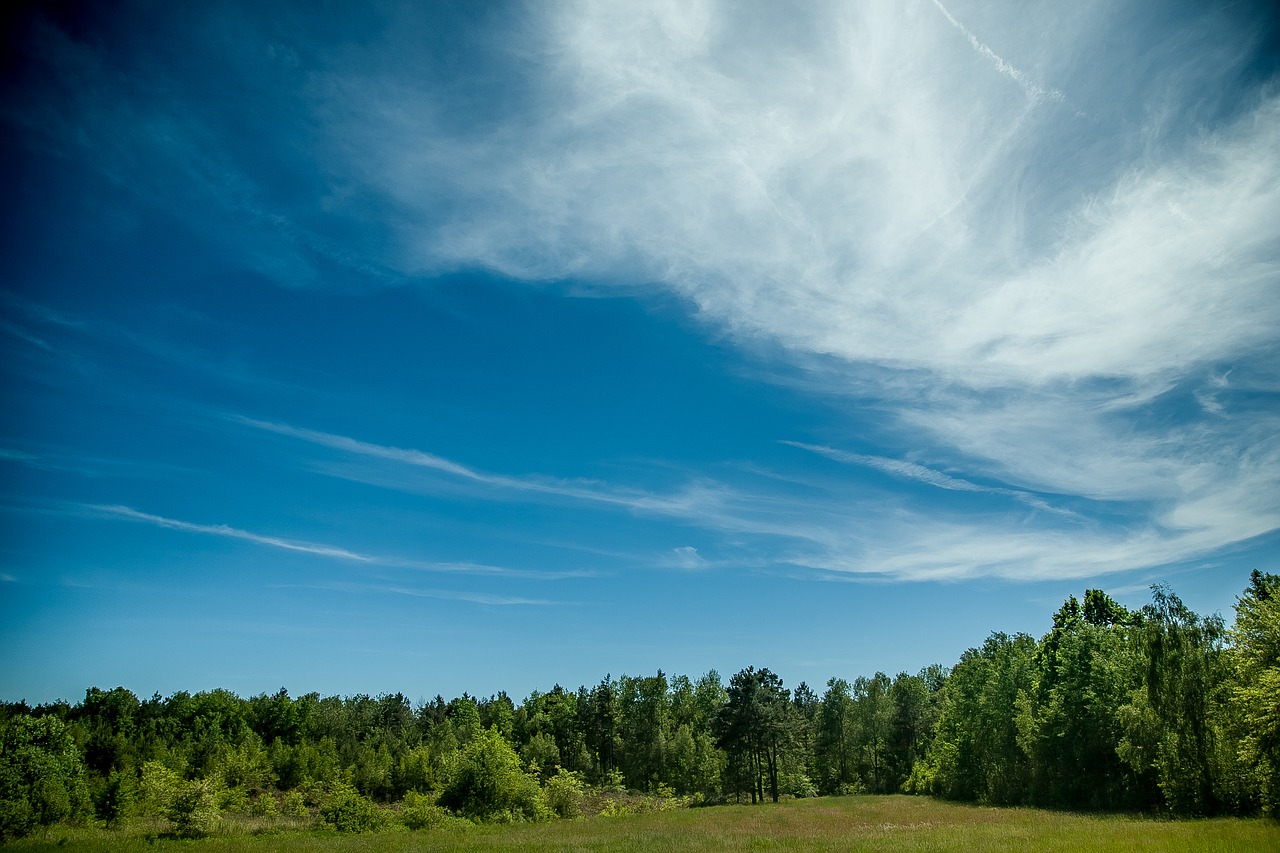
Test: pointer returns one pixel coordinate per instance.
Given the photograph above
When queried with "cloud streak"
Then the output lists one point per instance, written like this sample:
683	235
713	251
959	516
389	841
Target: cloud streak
1043	292
228	532
321	550
1032	88
922	474
537	487
850	531
440	594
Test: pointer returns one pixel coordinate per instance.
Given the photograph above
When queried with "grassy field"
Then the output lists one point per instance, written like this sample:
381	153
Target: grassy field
896	823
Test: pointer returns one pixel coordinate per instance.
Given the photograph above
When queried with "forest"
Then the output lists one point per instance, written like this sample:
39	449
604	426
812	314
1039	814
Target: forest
1155	710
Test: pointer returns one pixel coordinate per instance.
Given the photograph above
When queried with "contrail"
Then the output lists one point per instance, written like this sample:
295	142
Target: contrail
1032	88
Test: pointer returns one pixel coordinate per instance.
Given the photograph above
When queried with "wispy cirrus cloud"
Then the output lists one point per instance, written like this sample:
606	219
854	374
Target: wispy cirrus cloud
896	467
846	529
922	474
228	532
323	550
1032	88
1037	236
577	490
441	594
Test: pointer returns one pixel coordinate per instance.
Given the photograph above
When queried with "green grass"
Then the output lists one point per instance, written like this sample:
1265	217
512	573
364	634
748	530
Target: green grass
896	823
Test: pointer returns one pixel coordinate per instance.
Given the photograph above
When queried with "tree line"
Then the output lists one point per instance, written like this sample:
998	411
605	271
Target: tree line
1155	709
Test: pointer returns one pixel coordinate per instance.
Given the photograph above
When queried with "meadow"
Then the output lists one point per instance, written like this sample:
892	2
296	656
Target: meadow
871	823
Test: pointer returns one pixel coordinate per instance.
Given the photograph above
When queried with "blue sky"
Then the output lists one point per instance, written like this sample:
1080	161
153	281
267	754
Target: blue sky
474	347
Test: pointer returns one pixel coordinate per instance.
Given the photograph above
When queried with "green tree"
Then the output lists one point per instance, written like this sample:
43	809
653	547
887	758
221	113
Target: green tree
1255	685
1171	721
42	775
110	719
873	712
833	739
756	729
975	754
602	728
645	724
911	728
490	784
1069	723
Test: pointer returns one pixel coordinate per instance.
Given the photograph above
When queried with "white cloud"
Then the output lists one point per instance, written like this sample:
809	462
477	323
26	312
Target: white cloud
922	474
233	533
675	503
687	557
327	551
1032	88
1036	226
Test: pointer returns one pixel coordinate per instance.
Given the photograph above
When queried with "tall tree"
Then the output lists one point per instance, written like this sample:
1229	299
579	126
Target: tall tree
975	754
1255	685
833	738
914	715
873	711
645	727
1170	721
755	727
1068	722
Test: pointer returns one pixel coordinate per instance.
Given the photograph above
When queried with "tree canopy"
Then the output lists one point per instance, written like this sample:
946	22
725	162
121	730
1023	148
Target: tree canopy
1157	709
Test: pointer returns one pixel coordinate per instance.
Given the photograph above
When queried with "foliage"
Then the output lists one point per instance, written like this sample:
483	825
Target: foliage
265	805
975	754
1157	709
347	810
1170	724
115	796
490	784
756	727
293	805
1255	686
418	811
1069	724
42	776
194	809
158	788
563	793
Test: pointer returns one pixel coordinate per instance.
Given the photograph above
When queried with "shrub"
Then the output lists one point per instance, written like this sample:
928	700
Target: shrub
347	810
490	785
17	818
159	787
194	809
264	805
42	777
294	805
234	800
420	812
115	796
563	793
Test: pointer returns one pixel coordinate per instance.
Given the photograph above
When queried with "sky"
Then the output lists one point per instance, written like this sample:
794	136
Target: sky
479	347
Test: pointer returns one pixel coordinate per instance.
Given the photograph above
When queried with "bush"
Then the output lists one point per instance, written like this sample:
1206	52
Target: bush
264	805
17	818
563	793
115	797
420	812
233	800
194	810
159	787
347	810
490	785
294	805
42	776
